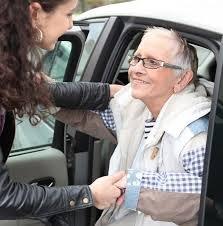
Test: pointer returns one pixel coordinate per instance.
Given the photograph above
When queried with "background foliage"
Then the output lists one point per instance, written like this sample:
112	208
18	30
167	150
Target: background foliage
89	4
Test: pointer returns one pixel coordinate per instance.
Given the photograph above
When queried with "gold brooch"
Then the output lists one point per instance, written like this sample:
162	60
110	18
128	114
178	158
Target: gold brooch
154	153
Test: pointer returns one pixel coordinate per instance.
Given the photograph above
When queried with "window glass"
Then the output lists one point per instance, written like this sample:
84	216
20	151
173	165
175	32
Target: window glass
28	136
55	62
202	54
54	65
95	29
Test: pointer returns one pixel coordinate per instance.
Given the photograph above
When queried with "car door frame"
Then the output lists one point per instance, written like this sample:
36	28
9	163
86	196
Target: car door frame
212	185
199	36
77	39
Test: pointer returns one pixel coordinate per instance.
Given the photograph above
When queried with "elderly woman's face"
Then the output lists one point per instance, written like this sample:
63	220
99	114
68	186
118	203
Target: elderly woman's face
153	84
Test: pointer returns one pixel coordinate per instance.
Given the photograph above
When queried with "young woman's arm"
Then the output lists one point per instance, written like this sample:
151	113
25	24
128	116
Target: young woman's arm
81	95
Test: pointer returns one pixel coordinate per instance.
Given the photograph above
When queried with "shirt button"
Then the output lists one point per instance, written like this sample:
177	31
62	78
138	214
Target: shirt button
72	203
85	200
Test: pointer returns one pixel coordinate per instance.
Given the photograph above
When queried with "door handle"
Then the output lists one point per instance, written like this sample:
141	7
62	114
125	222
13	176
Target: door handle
45	181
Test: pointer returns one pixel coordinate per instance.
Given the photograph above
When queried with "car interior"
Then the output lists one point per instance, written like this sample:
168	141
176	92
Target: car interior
44	168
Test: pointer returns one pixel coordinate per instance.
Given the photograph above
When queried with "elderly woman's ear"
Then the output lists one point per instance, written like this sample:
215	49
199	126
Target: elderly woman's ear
182	81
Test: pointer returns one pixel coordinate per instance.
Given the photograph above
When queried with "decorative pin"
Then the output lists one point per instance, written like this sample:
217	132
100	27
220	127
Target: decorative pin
154	153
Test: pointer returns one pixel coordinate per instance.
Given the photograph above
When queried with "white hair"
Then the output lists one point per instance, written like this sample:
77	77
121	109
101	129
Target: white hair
183	56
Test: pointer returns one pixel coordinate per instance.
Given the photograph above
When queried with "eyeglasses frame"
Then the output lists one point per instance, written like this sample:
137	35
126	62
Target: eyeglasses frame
162	63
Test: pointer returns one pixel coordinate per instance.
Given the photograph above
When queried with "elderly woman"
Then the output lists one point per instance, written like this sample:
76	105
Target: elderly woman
161	126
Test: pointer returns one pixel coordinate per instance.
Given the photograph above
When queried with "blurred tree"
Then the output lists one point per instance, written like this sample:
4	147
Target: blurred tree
81	5
116	1
89	4
95	3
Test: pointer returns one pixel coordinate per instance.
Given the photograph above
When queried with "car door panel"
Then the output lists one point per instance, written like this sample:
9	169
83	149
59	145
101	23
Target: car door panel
21	223
36	167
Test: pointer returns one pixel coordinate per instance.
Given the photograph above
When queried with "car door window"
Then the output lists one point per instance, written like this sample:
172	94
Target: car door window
28	136
55	64
95	28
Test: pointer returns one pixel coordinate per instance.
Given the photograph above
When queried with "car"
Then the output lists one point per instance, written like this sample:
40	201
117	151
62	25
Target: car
96	49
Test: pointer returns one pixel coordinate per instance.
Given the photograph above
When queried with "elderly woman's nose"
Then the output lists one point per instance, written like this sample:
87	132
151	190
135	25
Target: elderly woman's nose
140	63
138	67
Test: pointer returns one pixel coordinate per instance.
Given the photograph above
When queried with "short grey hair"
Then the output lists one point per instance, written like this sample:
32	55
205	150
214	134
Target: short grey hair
185	55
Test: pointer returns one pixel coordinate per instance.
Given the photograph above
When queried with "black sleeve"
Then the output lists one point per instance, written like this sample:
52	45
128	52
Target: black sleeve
18	200
80	95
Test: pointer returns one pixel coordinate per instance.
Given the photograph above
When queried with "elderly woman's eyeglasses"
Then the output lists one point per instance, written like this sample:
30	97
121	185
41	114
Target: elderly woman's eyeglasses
151	63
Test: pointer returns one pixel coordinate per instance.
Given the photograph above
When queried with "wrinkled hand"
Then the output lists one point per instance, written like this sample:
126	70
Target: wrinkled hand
43	77
114	89
122	185
122	182
104	191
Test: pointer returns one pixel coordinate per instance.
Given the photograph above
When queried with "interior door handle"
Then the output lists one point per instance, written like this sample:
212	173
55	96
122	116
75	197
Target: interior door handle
45	181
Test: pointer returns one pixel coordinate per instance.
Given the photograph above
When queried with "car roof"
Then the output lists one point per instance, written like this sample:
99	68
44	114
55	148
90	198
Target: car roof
204	14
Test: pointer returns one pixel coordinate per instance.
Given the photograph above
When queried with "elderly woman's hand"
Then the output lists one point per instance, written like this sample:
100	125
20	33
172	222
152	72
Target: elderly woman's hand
114	89
122	185
43	77
104	191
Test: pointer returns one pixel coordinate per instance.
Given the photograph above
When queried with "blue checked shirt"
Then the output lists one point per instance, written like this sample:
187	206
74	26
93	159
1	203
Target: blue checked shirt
192	161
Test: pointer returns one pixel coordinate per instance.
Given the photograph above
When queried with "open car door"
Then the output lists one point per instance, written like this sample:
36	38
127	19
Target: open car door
38	156
211	209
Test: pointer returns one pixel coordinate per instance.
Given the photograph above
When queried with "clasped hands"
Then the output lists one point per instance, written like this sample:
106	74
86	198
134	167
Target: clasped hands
109	190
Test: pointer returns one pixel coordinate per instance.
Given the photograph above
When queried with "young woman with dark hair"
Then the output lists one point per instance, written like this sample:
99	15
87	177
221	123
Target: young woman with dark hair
26	26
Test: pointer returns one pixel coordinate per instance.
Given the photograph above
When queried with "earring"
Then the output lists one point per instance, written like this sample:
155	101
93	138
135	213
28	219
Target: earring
38	37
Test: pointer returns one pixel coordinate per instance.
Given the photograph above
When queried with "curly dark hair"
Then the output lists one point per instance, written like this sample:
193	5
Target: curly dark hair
21	91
